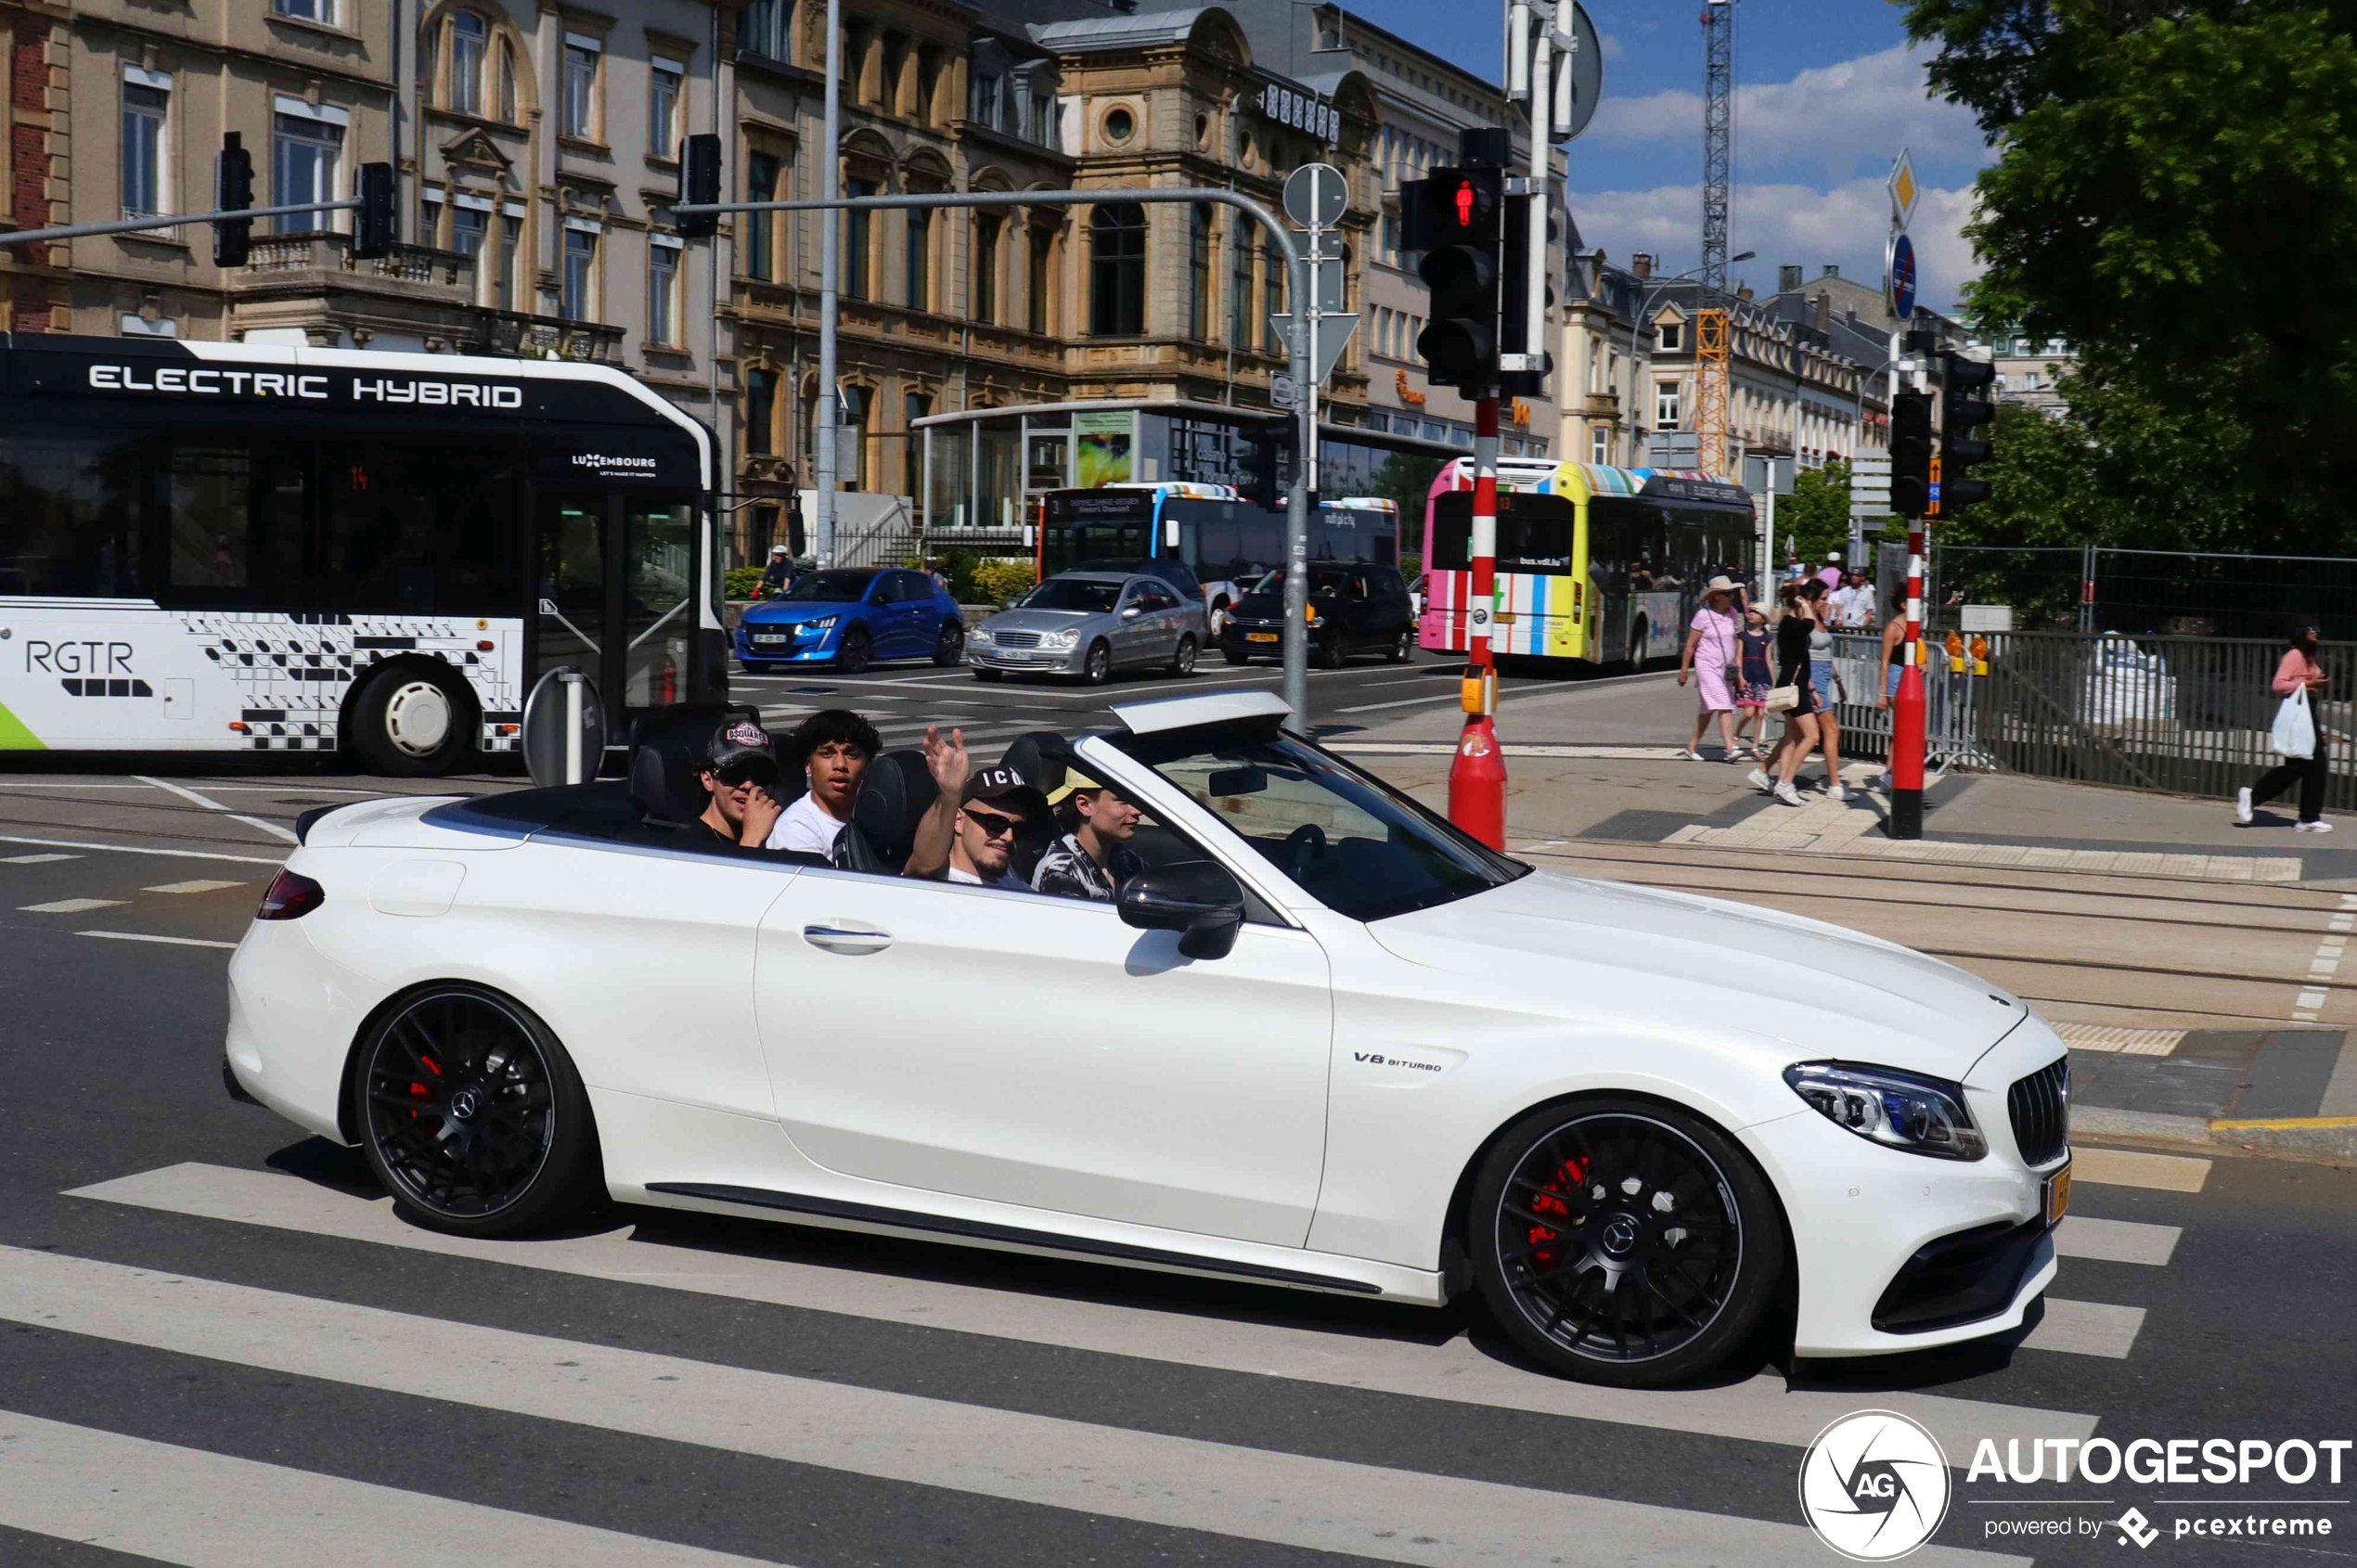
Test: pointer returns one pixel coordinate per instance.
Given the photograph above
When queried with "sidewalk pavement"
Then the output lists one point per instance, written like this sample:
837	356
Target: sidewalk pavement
1593	772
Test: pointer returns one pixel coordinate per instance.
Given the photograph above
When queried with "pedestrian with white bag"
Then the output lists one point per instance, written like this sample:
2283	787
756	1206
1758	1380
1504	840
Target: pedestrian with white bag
2297	738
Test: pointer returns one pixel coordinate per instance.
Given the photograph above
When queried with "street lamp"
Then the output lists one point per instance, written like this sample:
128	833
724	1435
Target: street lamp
1637	320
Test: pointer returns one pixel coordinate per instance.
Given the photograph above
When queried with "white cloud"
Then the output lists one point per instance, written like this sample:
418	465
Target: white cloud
1614	49
1825	118
1795	224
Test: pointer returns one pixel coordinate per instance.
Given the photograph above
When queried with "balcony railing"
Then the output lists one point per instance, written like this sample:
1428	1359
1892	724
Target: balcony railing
325	251
517	335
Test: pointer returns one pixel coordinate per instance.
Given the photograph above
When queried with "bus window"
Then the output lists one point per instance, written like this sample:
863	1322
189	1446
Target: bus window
1534	532
69	515
1084	524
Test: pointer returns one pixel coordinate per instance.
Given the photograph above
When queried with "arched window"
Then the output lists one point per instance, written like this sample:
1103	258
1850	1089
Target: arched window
1117	270
469	40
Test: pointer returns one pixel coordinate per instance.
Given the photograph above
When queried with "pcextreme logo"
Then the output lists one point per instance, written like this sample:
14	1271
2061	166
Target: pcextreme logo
1874	1485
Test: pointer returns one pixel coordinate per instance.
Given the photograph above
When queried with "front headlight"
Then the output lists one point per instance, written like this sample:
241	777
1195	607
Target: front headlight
1885	1106
981	634
822	626
1060	639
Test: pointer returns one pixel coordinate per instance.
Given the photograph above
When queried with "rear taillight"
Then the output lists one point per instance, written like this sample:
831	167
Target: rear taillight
290	896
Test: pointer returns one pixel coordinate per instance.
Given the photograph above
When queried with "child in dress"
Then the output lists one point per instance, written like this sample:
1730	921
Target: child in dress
1751	696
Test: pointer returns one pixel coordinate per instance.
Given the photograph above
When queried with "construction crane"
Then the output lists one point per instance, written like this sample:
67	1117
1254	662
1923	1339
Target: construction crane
1712	368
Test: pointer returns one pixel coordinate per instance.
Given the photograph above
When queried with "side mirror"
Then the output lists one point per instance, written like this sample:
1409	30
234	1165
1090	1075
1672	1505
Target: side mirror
1202	903
1131	612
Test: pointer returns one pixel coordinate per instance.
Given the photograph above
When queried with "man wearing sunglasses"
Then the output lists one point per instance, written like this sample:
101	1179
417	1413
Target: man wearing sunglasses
969	835
738	768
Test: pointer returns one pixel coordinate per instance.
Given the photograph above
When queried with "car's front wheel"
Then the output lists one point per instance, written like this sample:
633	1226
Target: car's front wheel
472	1115
983	674
858	649
1182	658
1624	1241
1235	655
1401	646
1096	668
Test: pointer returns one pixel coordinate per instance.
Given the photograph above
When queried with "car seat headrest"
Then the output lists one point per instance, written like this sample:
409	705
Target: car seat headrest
894	793
1040	755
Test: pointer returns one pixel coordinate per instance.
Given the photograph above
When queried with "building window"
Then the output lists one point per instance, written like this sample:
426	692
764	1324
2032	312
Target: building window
1199	272
663	290
580	297
1599	445
469	41
985	301
665	81
855	240
1672	336
1272	271
468	227
1665	406
914	406
894	65
928	81
581	89
1117	270
503	281
1239	283
761	228
302	168
508	115
919	259
321	11
767	28
144	111
985	99
1042	271
761	407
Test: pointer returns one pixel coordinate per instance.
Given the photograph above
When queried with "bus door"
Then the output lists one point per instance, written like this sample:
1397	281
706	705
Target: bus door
616	594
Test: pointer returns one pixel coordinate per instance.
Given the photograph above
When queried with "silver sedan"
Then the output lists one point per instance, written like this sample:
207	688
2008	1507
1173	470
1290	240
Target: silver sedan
1089	624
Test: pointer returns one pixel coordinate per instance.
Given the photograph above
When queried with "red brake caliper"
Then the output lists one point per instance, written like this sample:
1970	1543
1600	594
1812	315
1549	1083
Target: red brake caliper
1548	1201
420	1091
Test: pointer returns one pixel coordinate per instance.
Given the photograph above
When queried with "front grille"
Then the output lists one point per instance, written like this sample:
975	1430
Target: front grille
1960	1278
1018	639
2040	1106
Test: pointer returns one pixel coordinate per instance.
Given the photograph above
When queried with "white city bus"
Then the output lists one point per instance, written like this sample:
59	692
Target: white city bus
215	547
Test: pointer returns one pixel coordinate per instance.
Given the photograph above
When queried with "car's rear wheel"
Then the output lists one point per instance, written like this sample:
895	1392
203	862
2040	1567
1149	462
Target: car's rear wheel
1096	668
1182	658
855	652
1331	653
411	722
951	646
1624	1241
471	1114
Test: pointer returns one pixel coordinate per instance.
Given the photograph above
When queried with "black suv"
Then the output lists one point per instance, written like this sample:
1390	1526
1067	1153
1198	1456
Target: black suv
1355	606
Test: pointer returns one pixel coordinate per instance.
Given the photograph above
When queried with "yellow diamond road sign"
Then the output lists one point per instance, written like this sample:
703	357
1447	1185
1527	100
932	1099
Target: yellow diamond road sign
1903	189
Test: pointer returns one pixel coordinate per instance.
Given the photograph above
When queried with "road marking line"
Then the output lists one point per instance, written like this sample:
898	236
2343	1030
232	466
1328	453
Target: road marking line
271	827
142	936
202	884
143	849
1761	1409
1446	749
203	1510
72	906
2126	1167
2116	1240
2278	1124
2086	1328
2122	1041
35	859
1180	1482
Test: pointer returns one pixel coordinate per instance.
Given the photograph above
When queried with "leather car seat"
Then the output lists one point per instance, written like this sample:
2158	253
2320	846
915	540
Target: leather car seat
1042	757
666	756
894	793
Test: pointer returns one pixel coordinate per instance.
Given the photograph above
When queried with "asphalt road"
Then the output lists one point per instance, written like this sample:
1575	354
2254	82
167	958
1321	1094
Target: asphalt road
220	1349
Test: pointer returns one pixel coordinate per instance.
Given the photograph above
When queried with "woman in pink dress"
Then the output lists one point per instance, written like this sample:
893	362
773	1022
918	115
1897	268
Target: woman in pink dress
1710	657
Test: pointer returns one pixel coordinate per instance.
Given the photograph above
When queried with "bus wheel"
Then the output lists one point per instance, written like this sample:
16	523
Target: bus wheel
1640	635
408	722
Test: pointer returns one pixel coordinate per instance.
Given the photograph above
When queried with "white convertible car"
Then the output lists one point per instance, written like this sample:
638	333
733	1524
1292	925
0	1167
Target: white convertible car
1325	1040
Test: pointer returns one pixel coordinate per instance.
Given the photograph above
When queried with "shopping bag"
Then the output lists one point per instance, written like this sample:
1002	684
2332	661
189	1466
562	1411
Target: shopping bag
2295	732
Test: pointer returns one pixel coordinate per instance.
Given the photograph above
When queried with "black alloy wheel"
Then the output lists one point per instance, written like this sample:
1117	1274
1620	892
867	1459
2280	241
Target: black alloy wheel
952	644
1096	668
1402	647
1182	658
471	1114
858	648
1624	1241
1332	654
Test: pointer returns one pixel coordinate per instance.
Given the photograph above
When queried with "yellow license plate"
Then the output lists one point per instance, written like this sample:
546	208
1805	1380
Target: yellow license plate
2056	1195
1260	636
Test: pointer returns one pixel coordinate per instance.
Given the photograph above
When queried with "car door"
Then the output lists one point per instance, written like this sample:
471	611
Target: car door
1032	1050
1134	632
1165	621
889	615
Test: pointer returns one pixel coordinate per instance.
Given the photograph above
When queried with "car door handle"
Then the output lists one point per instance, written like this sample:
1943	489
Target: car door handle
848	941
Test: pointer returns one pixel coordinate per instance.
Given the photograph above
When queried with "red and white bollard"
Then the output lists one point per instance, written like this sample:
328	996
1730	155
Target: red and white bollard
1908	725
1477	777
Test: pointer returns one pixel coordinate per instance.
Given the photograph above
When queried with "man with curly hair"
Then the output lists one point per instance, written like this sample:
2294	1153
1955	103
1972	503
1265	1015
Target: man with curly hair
833	747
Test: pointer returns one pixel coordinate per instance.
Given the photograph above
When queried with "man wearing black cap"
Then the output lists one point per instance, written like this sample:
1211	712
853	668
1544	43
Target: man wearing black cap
738	768
969	835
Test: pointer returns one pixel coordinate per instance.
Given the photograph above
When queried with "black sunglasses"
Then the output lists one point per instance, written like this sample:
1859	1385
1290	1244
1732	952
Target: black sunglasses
992	824
736	774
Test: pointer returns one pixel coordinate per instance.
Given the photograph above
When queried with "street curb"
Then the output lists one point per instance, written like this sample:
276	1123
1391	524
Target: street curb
2295	1137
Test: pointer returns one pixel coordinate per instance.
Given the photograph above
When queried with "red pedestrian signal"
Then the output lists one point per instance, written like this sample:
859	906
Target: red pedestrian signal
1464	204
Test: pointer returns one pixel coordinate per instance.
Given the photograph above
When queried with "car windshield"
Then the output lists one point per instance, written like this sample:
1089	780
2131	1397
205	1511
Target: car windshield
830	587
1321	582
1357	845
1074	593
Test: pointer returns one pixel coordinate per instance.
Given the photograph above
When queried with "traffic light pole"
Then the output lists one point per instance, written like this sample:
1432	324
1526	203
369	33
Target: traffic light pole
1477	777
1908	727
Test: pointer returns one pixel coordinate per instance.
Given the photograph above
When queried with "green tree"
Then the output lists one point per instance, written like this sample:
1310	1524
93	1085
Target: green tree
2175	194
1405	480
1814	521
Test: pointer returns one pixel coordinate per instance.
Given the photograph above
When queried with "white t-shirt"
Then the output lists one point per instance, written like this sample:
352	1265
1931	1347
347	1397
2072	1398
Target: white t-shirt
1007	879
805	826
1853	607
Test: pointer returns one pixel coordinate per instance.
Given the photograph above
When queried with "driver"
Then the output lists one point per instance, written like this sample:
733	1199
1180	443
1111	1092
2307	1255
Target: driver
738	766
1093	858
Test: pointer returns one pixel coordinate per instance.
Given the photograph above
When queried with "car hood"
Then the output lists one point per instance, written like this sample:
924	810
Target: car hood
1681	961
1044	619
777	614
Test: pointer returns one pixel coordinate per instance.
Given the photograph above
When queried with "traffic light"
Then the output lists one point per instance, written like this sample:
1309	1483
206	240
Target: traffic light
1911	454
1513	296
1963	411
232	192
1463	210
700	184
376	227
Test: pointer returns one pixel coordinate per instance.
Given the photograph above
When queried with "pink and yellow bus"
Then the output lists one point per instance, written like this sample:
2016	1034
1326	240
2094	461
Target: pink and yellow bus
1596	564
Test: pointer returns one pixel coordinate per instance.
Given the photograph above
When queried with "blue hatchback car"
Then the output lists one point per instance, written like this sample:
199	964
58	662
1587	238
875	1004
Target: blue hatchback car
847	617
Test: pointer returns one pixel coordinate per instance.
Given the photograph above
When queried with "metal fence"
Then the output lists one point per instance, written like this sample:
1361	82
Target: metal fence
2184	715
2142	593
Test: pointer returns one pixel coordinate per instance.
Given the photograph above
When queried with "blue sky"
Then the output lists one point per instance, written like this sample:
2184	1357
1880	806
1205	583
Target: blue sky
1826	93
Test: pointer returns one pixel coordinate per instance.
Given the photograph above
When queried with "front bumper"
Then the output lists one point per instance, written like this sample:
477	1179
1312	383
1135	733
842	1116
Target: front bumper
1031	660
1236	637
793	649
